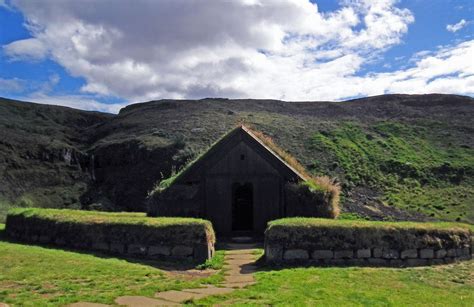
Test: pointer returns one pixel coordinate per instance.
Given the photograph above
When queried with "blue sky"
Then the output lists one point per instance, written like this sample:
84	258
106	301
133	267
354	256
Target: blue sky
82	54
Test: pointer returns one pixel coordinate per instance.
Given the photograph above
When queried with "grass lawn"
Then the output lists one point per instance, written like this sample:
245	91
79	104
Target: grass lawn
451	285
38	276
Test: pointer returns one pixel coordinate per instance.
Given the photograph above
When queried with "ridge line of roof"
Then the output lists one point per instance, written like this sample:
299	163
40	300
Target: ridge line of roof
256	138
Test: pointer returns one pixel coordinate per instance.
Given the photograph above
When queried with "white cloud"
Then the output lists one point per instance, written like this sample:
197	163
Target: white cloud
3	3
26	49
11	85
449	70
142	50
457	26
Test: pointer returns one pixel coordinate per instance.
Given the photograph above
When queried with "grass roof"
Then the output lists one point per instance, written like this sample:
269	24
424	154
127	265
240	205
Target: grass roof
322	183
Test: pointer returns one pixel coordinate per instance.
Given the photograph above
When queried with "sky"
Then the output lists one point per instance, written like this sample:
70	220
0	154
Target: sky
103	55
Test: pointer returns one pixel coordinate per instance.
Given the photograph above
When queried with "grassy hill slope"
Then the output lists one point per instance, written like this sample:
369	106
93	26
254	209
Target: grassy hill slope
397	156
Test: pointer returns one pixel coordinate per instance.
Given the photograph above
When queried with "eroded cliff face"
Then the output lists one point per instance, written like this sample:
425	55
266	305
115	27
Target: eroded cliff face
43	154
123	173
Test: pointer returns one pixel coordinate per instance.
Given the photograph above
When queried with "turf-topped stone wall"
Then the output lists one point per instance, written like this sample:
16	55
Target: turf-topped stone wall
127	234
344	242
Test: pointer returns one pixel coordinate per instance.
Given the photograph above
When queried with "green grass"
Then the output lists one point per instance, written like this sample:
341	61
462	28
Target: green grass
5	206
37	276
450	285
351	216
358	223
98	217
215	263
409	163
451	202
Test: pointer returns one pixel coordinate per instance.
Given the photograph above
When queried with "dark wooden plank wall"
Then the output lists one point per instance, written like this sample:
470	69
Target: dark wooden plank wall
220	176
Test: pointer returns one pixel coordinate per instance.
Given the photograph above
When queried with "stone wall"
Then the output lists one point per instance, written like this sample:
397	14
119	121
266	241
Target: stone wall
334	243
367	256
194	252
169	242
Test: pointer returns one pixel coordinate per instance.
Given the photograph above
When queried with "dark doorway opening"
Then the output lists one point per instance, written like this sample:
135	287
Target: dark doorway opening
242	207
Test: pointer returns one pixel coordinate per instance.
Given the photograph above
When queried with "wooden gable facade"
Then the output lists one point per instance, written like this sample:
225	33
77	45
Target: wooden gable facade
238	184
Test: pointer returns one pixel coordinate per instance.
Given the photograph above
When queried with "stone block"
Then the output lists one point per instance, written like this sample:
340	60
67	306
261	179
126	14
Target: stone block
101	246
182	251
343	254
273	254
159	250
378	261
136	249
117	248
295	254
416	262
337	262
465	251
202	252
437	261
396	263
409	253
440	253
322	254
356	261
451	252
377	252
364	253
465	257
426	253
390	253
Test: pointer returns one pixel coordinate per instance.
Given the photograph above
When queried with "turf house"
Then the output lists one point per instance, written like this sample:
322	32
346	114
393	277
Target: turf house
240	184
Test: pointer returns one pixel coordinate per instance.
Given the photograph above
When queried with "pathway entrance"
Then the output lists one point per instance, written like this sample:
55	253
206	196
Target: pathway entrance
239	268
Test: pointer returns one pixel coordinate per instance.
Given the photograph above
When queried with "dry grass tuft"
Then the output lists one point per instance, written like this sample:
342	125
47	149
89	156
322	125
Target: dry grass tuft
332	190
285	156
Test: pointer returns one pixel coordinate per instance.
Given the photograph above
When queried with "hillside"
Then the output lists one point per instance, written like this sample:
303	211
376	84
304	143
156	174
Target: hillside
397	156
43	154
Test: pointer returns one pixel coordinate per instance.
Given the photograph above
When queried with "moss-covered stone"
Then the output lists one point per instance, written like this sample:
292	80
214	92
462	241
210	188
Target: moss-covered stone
328	234
114	232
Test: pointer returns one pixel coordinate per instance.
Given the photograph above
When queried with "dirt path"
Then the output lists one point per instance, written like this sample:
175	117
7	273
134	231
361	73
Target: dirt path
239	268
